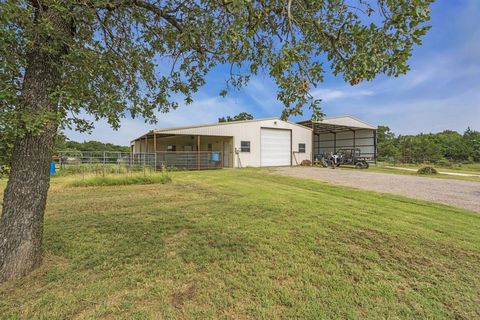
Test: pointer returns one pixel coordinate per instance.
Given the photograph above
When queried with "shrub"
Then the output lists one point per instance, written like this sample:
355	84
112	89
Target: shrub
444	163
427	170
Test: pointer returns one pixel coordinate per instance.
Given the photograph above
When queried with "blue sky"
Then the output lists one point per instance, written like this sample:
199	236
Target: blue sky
442	90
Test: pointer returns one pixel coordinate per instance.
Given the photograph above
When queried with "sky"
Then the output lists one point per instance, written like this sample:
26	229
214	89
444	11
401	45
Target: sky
441	91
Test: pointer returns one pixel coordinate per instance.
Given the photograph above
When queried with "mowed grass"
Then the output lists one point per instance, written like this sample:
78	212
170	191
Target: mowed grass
248	244
121	180
382	169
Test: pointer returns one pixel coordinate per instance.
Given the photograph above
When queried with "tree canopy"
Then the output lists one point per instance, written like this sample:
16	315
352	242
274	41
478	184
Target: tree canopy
239	117
62	143
447	145
121	58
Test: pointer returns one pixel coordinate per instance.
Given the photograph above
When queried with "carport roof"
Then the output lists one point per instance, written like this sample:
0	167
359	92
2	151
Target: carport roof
337	124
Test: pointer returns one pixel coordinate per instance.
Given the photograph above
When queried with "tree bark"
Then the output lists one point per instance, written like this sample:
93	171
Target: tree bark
21	224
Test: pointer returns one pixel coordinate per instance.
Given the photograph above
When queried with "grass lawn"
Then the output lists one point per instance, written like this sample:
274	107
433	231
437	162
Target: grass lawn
247	244
460	168
380	168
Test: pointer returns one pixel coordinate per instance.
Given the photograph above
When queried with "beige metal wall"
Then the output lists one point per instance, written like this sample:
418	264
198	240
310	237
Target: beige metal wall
250	131
244	131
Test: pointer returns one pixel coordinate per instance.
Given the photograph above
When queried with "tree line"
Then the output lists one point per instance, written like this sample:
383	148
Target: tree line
445	146
63	144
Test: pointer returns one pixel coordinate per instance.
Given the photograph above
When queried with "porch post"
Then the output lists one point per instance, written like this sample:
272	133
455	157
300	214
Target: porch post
146	150
198	152
155	148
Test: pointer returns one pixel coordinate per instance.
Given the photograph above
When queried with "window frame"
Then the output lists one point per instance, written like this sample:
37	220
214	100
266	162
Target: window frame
302	150
244	148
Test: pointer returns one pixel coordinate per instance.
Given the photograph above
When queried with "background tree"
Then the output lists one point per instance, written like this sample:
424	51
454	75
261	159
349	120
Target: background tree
387	149
62	143
453	145
116	58
472	140
446	146
239	117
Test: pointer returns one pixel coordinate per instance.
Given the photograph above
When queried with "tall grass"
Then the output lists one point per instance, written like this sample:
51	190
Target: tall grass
147	177
101	169
122	180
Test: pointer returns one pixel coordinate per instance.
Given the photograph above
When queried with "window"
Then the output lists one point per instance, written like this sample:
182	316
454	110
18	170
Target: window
301	148
172	148
245	146
210	147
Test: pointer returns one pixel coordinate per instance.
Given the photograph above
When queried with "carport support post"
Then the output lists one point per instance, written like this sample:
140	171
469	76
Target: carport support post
334	142
354	142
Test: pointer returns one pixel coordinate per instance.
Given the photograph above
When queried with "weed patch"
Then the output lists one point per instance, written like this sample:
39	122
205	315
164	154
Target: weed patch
121	180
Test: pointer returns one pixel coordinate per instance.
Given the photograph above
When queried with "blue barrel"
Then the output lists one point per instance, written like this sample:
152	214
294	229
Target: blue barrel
52	168
215	156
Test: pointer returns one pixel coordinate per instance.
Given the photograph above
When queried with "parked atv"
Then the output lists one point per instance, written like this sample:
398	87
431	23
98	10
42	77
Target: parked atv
345	157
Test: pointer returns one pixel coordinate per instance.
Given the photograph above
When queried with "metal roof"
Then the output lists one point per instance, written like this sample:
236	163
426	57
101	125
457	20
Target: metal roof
334	124
211	124
171	131
337	124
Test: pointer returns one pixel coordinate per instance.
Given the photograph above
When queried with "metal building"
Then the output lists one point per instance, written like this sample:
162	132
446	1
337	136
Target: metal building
256	143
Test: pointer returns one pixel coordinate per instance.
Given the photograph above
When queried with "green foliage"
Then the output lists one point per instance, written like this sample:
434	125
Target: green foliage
63	144
441	148
100	169
239	117
427	170
386	146
472	139
133	58
122	180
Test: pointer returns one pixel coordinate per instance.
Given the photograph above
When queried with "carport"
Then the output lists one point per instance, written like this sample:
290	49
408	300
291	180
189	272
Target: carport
331	134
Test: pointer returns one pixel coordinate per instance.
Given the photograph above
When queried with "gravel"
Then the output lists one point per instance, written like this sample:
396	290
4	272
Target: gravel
463	194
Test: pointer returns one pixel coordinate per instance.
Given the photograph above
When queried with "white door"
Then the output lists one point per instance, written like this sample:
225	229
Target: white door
275	147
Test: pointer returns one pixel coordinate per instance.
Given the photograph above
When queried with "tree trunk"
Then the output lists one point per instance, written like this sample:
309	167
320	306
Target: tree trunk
21	224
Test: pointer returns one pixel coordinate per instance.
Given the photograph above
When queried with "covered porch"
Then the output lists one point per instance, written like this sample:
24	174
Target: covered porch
184	151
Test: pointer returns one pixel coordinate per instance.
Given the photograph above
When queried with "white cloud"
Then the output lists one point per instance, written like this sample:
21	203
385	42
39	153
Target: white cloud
336	94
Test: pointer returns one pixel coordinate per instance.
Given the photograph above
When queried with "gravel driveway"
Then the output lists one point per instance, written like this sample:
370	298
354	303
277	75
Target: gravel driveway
463	194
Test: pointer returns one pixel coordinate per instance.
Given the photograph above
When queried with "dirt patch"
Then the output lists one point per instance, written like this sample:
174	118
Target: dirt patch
179	298
462	194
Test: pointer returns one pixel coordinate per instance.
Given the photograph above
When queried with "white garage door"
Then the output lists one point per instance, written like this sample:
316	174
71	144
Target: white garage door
275	147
